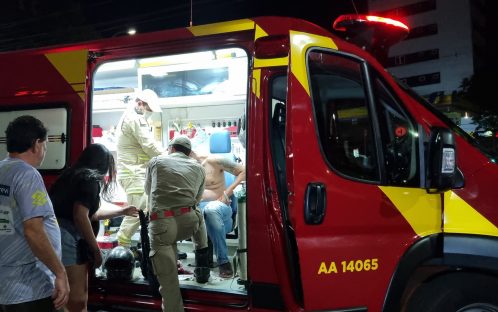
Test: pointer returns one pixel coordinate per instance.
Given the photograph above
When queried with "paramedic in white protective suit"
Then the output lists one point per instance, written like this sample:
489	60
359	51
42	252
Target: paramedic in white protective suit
135	147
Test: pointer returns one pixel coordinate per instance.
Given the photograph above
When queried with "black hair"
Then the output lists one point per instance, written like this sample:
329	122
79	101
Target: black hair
23	132
100	161
183	149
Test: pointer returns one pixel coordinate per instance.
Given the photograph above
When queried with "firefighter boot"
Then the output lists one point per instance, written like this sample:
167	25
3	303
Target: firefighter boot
202	270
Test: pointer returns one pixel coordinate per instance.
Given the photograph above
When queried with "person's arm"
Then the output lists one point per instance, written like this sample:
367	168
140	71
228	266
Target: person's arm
234	168
83	224
109	210
148	175
200	158
198	197
145	138
38	241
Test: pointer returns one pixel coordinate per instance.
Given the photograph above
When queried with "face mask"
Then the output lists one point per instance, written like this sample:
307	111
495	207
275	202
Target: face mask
147	114
138	110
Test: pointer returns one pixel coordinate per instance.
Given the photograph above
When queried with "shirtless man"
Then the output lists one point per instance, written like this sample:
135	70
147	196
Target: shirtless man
215	204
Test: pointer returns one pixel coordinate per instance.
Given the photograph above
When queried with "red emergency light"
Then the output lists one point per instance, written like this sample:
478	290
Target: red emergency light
343	22
372	33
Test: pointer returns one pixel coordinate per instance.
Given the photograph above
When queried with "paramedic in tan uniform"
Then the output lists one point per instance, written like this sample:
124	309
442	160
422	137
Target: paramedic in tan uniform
135	147
174	184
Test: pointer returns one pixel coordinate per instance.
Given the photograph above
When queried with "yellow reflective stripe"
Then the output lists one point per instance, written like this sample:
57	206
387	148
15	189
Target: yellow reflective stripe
460	217
78	87
223	27
259	32
72	66
256	77
130	149
123	241
421	210
282	61
143	157
134	190
124	172
300	43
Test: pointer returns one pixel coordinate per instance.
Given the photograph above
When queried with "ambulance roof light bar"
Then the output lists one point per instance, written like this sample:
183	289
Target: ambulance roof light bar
372	33
341	23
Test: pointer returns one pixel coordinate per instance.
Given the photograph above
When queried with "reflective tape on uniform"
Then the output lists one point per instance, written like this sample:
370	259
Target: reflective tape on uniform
125	173
134	190
143	157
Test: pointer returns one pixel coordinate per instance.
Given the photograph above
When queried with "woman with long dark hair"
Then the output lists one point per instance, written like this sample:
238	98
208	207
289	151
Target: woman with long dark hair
76	199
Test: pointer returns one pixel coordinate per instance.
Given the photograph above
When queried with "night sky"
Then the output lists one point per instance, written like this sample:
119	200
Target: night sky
33	23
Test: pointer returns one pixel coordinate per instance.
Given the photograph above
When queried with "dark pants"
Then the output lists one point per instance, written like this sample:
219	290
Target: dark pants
40	305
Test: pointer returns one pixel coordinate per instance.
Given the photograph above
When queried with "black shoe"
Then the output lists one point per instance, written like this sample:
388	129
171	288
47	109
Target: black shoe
181	255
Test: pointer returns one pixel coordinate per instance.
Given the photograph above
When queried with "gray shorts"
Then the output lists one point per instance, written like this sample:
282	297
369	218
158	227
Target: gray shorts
73	245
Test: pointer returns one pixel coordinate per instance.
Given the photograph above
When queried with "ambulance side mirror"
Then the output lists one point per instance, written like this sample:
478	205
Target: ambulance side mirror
442	173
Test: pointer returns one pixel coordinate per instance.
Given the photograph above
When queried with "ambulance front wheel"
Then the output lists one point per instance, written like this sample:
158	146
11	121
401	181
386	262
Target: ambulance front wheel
456	292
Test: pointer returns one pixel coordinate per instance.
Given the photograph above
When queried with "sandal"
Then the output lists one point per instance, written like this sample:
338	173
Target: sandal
226	270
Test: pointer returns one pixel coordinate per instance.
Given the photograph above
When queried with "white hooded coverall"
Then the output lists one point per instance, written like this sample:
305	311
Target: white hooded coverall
135	147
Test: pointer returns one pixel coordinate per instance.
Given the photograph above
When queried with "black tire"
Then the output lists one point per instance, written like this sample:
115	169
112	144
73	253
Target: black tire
456	292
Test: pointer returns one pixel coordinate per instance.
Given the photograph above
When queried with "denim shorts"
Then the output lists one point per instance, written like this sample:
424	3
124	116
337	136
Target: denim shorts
72	246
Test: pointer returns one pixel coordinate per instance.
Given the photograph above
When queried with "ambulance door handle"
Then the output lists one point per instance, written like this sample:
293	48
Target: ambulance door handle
315	202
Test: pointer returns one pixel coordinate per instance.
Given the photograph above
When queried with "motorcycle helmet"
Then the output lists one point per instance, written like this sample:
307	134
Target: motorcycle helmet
120	264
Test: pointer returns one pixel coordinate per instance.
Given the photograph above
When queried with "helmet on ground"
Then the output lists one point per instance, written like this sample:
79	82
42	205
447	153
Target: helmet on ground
120	264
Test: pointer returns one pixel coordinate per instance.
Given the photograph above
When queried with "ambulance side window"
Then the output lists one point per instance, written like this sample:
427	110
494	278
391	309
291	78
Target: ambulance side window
399	136
55	120
342	115
277	132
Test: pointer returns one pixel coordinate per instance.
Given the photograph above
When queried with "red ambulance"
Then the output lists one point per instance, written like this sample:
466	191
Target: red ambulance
360	196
